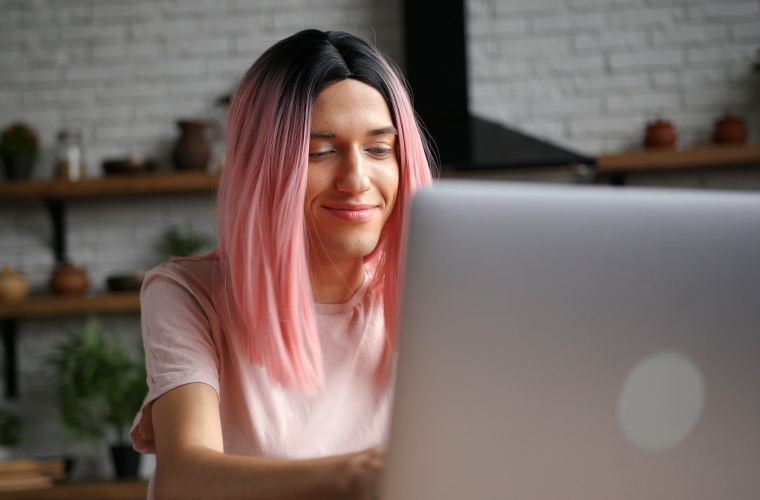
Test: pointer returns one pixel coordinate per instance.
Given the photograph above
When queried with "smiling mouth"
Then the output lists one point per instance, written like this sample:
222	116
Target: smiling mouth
352	214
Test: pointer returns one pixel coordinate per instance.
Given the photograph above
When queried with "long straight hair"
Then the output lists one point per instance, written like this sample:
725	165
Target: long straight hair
261	222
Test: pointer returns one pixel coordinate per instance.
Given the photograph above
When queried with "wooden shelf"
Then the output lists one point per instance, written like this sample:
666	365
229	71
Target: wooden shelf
702	156
61	306
115	185
118	490
54	194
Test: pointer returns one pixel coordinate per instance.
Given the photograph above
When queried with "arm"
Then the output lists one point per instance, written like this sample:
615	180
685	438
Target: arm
190	462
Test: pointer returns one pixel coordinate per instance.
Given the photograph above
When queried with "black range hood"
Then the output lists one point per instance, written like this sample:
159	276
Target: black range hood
436	62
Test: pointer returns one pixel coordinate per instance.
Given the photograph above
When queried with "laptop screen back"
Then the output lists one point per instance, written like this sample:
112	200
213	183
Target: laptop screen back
578	342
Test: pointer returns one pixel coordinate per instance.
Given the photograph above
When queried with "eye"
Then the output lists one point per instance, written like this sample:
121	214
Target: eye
380	152
320	154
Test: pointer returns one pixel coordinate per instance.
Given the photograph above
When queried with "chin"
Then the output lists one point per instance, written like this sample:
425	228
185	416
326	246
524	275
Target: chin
360	250
355	248
344	242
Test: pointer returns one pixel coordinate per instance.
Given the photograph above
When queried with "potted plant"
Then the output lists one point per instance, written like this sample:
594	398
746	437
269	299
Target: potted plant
100	387
10	433
19	149
181	242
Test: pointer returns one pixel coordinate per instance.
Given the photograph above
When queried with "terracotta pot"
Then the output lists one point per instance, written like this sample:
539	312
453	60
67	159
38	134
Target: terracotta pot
730	129
192	151
13	286
660	134
18	167
126	461
69	279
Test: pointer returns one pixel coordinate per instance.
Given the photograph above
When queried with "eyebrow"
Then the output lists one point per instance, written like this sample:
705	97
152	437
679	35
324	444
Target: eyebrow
374	131
384	130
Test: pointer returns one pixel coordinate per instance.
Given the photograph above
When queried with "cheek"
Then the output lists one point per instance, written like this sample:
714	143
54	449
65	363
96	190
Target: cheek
390	185
313	188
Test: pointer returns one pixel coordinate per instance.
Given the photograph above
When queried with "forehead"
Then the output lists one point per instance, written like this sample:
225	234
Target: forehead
350	102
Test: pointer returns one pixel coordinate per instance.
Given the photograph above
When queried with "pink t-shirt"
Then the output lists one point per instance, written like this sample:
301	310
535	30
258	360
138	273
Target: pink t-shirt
188	340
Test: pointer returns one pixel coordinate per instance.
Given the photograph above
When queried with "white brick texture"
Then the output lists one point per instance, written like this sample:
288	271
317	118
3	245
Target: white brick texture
125	72
674	58
585	74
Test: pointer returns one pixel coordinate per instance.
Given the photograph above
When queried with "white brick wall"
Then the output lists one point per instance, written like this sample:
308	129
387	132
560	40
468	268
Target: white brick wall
604	68
125	72
584	73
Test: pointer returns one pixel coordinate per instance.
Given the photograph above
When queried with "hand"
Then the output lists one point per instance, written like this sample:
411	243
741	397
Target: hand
363	473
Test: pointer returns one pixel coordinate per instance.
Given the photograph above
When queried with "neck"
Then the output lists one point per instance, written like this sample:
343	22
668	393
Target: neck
335	282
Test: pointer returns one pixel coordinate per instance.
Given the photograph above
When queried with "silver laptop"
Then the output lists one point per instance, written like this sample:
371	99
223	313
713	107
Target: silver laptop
578	343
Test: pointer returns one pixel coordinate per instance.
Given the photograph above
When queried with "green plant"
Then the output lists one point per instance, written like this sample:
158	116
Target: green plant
181	242
98	384
19	140
10	428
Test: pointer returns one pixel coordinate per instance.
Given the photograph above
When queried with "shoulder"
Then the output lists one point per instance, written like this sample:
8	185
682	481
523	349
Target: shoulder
178	314
190	272
190	283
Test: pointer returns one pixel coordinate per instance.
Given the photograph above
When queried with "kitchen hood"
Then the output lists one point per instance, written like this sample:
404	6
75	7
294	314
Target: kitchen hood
436	69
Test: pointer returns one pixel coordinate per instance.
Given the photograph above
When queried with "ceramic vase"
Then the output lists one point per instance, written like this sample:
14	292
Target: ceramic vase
192	150
69	279
730	129
660	134
18	167
126	461
13	286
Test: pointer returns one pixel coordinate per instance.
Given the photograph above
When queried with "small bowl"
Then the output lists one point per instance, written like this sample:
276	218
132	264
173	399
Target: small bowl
125	282
134	165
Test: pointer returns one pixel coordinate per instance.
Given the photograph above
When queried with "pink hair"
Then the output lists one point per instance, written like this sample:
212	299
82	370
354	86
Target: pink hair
261	228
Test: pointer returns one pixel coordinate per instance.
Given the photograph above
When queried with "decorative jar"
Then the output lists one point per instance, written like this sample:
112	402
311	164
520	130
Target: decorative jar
730	129
13	286
192	151
70	153
660	134
68	279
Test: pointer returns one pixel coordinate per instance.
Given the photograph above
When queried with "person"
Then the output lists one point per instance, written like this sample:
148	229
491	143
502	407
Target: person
270	360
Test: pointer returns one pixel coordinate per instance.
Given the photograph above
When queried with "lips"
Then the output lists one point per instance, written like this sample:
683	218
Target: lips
351	213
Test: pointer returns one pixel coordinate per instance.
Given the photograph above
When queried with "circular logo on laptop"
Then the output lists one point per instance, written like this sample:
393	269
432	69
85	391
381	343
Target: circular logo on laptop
661	401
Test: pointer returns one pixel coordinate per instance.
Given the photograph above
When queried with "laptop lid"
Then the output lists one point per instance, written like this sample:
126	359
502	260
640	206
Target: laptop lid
578	342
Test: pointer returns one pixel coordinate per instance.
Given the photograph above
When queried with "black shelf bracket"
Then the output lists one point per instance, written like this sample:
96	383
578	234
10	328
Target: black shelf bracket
9	327
8	331
57	213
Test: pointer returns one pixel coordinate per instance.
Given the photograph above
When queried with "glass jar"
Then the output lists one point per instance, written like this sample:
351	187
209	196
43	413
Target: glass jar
70	164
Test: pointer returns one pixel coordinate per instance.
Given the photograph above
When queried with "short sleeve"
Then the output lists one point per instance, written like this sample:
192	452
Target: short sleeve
178	342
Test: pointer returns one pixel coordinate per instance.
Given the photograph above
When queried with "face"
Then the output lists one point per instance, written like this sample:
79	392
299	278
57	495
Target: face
353	171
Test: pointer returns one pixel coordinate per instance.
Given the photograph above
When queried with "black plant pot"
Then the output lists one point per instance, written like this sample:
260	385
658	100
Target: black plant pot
18	167
126	461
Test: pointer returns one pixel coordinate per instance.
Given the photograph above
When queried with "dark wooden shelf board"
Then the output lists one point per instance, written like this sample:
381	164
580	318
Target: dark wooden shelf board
54	193
702	156
61	306
116	490
116	185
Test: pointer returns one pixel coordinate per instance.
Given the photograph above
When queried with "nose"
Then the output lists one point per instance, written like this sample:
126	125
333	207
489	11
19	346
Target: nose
353	177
